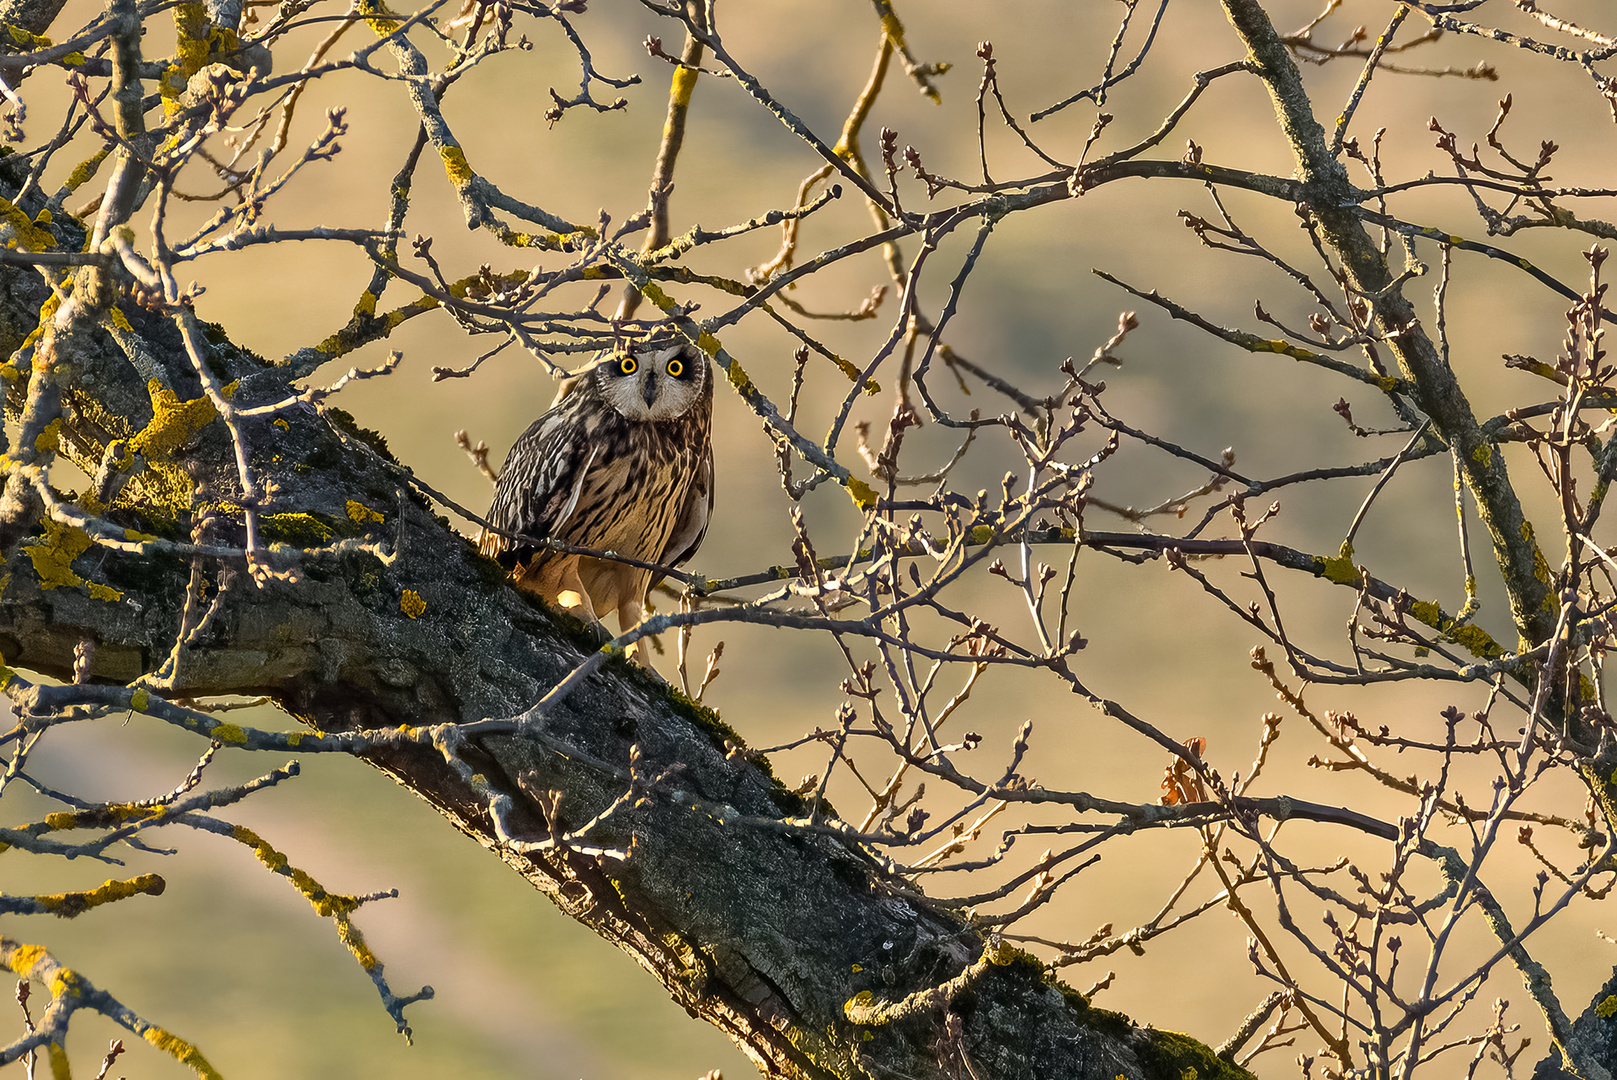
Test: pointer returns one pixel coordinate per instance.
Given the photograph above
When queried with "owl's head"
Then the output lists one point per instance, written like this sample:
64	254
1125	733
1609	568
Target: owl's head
655	382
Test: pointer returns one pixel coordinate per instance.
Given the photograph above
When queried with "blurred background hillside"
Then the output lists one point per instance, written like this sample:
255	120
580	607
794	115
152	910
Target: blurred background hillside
521	991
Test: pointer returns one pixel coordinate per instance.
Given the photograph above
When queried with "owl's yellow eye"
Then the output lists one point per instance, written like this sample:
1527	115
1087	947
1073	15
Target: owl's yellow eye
676	368
627	365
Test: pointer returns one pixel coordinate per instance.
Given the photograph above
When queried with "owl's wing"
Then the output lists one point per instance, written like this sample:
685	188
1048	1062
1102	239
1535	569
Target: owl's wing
568	385
691	526
539	487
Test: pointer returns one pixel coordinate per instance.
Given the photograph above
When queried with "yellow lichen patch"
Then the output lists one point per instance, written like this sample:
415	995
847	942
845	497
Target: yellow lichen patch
80	819
95	507
261	851
1427	612
50	440
229	733
872	387
58	1060
74	903
412	604
19	231
24	958
1476	641
455	165
738	378
377	17
118	319
170	84
1607	1008
463	288
53	555
367	303
1339	569
174	422
191	26
362	513
1541	571
280	423
181	1051
863	496
857	1004
1483	455
653	292
679	93
139	699
311	890
350	936
583	234
26	40
47	312
65	982
300	530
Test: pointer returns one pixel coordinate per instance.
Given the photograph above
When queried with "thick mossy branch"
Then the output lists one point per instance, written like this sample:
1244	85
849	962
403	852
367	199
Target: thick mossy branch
396	620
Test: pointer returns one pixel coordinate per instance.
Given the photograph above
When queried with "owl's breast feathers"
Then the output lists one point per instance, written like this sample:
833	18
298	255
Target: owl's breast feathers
592	478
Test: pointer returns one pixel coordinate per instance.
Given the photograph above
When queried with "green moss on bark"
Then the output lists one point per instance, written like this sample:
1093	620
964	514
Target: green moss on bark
344	421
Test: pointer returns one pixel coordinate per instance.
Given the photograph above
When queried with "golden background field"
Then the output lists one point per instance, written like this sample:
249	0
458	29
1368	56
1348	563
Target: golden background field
234	961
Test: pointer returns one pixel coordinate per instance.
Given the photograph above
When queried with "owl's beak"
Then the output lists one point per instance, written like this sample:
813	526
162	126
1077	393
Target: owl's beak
648	389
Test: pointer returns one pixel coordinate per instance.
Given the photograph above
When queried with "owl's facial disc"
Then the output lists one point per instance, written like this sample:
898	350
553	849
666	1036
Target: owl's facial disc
660	384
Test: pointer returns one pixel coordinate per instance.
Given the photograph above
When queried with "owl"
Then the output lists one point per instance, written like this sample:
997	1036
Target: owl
622	462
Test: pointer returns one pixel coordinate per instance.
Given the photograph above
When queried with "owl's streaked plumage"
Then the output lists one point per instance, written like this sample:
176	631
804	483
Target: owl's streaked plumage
622	462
